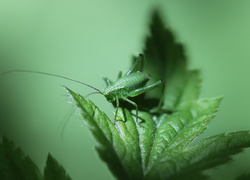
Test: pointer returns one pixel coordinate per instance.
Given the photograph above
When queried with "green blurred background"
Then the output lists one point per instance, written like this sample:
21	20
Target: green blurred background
86	40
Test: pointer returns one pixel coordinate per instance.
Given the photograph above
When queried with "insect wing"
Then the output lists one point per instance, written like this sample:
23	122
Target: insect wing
119	75
131	82
137	66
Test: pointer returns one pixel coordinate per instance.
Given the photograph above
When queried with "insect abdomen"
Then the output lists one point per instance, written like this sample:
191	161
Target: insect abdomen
132	81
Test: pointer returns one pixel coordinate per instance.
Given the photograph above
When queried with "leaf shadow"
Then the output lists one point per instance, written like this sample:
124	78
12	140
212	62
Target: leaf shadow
164	59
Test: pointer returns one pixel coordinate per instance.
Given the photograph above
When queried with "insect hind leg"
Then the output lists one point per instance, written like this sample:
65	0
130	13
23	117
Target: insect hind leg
139	91
116	111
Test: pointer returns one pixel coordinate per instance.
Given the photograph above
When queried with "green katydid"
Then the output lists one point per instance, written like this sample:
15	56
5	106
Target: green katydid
132	84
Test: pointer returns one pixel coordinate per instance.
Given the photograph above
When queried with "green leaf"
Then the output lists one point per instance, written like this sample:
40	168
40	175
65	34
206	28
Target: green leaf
175	132
208	153
54	171
243	176
14	165
118	145
162	147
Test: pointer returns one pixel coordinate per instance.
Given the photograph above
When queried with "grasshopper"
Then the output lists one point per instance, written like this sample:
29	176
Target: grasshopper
132	84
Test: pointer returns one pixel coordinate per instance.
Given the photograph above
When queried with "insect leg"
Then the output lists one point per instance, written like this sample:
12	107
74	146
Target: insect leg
107	81
161	99
139	91
137	66
133	103
117	106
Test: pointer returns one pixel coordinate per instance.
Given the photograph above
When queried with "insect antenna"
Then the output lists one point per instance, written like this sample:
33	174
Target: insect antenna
91	94
50	74
64	122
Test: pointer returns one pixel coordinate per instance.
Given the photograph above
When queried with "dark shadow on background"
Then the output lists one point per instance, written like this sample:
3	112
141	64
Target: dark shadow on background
164	57
8	109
